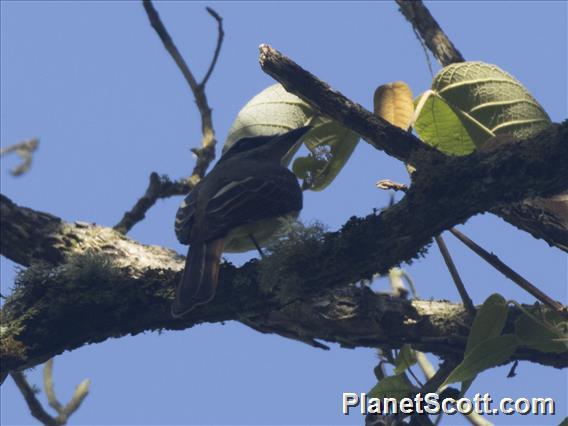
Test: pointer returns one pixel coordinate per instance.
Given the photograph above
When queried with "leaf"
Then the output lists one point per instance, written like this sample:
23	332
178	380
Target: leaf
487	354
473	101
330	145
441	126
406	358
393	103
536	335
274	110
392	387
489	321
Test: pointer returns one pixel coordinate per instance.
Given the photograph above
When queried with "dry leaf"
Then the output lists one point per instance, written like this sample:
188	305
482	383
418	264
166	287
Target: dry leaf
393	102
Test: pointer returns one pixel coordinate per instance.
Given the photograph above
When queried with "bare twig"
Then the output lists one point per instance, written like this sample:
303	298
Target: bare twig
48	386
206	153
468	304
36	409
158	187
494	261
162	187
220	36
428	29
386	184
34	405
24	150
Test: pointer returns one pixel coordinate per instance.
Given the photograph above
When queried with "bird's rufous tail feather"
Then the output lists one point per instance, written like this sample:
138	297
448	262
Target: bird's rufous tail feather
200	276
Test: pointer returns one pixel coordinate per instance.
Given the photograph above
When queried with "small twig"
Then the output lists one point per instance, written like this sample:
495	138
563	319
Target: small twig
162	187
29	395
36	409
158	187
48	386
386	184
220	36
494	261
257	246
426	26
24	150
468	304
513	371
206	153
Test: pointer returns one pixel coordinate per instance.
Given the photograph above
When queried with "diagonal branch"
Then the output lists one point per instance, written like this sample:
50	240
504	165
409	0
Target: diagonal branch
494	261
430	32
158	187
378	132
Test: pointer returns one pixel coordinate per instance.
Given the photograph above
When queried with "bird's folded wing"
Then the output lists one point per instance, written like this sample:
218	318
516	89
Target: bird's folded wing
249	200
185	216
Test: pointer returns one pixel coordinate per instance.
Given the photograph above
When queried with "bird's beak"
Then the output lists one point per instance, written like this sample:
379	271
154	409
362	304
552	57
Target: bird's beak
287	142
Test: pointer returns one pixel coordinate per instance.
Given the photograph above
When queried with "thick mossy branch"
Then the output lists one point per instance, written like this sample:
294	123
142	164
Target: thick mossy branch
106	285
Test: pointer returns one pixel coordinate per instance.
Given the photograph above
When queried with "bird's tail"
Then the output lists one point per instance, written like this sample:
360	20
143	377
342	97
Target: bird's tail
199	279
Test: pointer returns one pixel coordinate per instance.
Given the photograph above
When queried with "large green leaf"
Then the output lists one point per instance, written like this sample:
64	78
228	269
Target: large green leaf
406	358
274	110
489	353
470	102
489	321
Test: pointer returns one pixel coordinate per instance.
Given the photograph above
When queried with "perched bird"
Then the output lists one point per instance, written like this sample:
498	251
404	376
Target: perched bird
244	193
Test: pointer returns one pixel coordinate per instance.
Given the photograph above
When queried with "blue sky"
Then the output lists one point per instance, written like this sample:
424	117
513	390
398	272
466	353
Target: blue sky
94	83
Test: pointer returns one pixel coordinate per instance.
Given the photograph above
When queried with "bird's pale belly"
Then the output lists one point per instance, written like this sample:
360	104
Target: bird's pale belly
238	240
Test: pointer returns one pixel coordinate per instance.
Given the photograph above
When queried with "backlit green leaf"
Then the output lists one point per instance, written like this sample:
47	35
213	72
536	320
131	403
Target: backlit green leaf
274	110
487	354
489	321
405	359
469	102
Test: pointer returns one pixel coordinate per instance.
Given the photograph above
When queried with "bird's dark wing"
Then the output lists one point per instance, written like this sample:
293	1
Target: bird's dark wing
185	216
249	200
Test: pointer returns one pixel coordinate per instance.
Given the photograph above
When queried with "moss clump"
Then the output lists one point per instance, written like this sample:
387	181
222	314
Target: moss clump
281	270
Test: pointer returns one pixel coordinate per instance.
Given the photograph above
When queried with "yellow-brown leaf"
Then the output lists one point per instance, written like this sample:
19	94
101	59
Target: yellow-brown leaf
393	103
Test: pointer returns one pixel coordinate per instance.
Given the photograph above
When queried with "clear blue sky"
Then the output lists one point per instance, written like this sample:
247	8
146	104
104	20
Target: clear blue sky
94	83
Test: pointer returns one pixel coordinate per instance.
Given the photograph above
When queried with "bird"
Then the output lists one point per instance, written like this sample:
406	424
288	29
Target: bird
248	192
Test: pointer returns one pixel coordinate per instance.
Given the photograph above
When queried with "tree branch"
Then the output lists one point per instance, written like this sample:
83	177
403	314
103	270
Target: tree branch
220	36
162	187
206	153
542	218
158	187
430	32
29	394
99	284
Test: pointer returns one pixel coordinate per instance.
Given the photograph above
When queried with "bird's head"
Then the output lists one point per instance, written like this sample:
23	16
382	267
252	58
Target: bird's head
273	147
